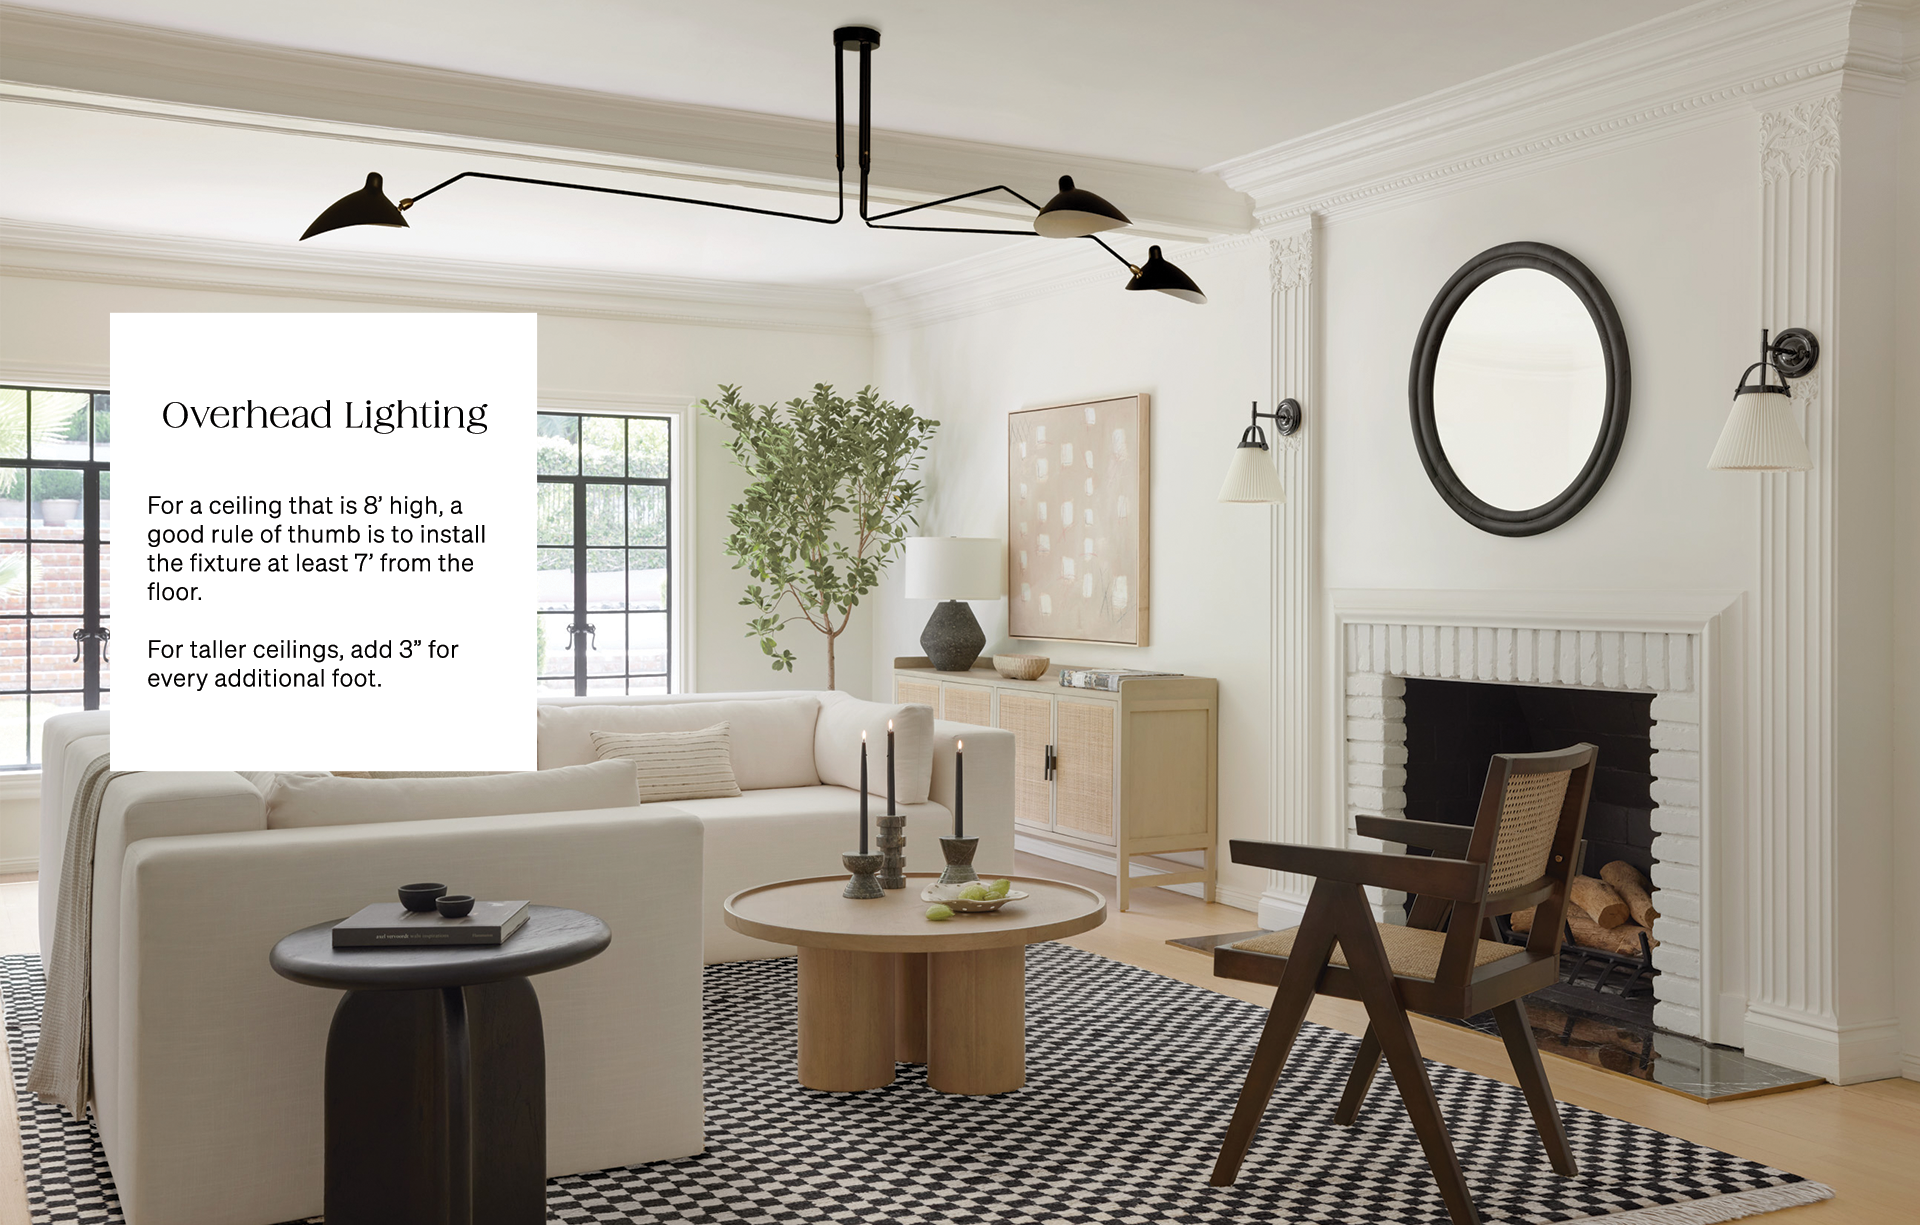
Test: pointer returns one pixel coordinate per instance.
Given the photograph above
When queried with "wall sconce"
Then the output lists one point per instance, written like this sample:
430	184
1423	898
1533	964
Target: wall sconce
1760	435
1251	477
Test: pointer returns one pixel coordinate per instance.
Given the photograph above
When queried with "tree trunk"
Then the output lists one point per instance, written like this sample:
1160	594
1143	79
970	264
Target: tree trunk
830	681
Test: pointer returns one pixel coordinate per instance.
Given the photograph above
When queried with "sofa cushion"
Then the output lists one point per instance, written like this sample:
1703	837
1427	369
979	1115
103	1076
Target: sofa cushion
836	742
772	738
832	805
297	801
674	765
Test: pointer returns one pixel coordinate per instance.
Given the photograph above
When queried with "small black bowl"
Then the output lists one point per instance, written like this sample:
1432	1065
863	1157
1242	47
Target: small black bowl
420	897
454	905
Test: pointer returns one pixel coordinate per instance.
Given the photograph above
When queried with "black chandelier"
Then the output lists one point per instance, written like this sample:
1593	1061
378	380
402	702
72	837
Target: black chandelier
1072	213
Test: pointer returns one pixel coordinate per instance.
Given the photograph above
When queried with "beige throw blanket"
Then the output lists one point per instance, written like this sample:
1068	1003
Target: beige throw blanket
63	1064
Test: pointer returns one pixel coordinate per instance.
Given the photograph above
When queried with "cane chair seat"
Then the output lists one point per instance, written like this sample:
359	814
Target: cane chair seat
1411	951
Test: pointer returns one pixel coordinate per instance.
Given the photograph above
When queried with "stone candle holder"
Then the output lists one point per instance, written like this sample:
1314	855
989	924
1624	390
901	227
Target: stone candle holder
959	855
861	884
893	852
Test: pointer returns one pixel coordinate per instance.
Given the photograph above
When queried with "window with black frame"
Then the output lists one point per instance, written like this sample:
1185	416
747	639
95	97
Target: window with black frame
605	598
55	519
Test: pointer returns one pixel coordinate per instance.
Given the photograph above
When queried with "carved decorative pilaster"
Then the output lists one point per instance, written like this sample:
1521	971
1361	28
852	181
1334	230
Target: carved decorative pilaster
1295	814
1807	1006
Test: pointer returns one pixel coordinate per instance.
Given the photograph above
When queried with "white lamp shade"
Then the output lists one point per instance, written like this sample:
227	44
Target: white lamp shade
1761	437
1251	478
954	568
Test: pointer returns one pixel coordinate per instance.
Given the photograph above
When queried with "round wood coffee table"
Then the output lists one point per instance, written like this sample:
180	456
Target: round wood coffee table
880	982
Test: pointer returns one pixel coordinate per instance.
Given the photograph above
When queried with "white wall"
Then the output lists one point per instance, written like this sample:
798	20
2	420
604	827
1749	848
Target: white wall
1906	598
1670	224
57	325
1201	365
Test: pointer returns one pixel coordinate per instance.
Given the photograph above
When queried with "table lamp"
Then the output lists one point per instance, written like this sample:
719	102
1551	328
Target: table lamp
953	570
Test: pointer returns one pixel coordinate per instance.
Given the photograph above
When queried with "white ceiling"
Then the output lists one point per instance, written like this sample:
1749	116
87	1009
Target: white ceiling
1184	85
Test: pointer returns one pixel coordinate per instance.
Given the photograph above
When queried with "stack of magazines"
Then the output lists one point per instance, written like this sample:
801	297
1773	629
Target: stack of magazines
1104	678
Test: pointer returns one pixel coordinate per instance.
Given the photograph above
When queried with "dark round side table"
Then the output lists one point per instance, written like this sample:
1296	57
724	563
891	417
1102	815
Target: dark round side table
436	1072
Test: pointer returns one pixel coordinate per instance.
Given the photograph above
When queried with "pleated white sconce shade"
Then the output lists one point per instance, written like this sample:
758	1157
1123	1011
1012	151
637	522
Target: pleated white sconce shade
1251	477
1761	437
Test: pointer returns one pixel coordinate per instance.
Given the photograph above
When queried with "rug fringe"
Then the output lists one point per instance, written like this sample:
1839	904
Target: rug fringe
1725	1207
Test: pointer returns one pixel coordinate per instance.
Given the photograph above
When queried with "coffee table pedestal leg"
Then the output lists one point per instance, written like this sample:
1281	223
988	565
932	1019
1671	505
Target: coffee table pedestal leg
977	1021
910	1008
846	1019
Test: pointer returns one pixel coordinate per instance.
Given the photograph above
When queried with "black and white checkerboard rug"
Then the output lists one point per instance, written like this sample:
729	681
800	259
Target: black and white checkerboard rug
1131	1078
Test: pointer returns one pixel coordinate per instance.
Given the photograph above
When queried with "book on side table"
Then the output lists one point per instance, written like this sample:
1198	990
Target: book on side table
391	925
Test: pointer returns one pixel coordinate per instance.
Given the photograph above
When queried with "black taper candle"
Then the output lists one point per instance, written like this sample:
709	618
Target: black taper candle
959	788
863	793
890	808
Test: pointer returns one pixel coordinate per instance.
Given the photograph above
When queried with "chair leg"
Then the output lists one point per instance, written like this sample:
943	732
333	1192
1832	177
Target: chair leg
1366	1061
1312	947
1518	1035
1367	958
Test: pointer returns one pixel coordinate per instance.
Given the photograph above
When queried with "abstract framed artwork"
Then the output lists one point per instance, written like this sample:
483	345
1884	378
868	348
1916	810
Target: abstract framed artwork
1077	521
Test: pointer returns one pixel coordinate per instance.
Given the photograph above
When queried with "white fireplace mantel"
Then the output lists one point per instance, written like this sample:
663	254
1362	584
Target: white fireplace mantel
1665	644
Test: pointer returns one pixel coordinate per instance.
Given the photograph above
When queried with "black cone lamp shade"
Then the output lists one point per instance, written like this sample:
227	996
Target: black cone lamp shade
368	206
1074	213
1158	274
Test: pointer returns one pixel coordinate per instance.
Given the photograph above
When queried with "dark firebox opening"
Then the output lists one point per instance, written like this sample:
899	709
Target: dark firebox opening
1455	727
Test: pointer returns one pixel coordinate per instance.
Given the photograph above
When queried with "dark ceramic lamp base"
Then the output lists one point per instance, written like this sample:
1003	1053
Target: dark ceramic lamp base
959	853
953	638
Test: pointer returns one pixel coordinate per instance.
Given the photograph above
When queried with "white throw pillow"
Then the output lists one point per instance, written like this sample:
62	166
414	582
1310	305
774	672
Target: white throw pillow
674	765
836	746
296	801
773	737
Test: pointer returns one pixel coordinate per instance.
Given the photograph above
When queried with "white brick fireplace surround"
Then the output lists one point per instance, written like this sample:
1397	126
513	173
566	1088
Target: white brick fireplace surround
1378	657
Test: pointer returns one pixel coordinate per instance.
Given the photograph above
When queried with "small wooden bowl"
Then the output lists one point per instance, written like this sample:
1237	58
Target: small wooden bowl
1021	667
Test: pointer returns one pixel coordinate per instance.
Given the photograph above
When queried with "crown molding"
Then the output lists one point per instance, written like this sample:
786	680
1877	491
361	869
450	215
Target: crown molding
63	60
1007	278
32	249
1689	68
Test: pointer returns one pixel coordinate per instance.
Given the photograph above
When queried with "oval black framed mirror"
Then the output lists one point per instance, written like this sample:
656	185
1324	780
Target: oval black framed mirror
1520	388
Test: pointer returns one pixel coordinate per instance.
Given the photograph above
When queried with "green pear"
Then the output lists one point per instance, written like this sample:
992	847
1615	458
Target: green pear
975	893
999	888
939	913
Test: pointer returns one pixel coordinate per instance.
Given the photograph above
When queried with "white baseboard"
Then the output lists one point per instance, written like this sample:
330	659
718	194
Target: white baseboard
1093	861
1845	1055
1237	898
20	867
1910	1065
1279	911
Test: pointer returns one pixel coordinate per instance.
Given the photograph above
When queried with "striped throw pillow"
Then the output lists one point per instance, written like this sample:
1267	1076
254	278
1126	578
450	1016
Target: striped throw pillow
675	765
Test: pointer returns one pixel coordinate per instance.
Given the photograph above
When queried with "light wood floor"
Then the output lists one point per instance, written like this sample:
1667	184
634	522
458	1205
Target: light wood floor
1861	1140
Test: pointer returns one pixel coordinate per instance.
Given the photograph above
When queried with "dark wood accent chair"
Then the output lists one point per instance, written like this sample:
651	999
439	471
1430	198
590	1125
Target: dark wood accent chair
1522	850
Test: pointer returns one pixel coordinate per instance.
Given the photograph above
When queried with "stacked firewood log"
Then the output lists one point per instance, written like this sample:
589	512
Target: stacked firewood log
1609	912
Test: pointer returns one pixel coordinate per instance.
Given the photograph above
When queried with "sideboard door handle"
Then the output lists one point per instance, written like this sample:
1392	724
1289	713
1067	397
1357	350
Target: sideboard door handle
1053	763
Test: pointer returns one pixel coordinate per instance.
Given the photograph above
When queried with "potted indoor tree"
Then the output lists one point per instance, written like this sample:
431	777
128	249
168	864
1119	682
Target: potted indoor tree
830	501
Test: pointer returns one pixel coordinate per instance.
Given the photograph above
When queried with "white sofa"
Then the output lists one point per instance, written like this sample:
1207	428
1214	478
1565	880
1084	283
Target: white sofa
208	1067
786	822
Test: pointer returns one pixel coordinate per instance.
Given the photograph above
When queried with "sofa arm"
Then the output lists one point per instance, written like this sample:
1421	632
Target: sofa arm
218	1103
989	814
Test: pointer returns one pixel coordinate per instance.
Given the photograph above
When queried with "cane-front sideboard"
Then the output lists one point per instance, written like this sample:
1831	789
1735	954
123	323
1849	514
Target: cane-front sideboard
1124	774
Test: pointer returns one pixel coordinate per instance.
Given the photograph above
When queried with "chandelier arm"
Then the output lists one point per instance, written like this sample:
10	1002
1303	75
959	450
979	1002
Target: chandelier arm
874	221
620	191
1110	251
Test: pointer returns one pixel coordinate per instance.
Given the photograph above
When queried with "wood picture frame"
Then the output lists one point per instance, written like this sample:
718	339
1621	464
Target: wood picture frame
1079	561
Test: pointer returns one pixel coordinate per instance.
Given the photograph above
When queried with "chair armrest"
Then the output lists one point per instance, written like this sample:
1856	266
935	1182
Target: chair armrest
1448	840
1452	879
